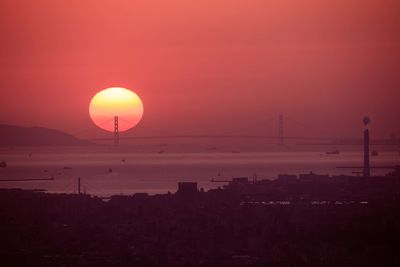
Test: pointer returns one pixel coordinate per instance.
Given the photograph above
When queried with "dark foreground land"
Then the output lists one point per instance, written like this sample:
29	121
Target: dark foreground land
287	222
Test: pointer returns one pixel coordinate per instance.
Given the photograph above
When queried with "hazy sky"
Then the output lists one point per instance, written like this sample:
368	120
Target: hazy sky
204	66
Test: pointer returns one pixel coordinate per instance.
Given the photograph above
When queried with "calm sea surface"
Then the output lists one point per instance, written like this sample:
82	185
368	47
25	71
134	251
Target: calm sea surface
106	173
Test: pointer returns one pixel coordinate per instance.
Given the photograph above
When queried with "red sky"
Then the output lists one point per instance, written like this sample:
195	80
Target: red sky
204	66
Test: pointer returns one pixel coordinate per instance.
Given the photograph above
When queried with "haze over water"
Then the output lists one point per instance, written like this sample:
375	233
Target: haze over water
105	173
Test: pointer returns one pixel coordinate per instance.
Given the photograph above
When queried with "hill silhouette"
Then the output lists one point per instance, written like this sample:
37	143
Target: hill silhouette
12	135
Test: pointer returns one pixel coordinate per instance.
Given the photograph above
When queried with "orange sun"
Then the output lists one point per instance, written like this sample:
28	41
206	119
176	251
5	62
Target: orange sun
116	101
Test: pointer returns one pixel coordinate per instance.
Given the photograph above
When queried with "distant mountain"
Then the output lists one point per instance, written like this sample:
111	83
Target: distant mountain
11	135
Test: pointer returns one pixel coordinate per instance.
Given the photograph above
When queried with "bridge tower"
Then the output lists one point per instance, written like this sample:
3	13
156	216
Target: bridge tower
116	131
280	130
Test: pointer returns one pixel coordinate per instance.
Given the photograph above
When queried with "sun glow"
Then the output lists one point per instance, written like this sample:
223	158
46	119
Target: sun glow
116	101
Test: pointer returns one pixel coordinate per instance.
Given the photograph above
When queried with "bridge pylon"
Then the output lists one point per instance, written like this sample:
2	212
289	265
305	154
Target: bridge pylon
116	131
280	130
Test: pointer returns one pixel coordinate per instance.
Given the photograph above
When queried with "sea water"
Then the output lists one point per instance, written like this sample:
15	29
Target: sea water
105	173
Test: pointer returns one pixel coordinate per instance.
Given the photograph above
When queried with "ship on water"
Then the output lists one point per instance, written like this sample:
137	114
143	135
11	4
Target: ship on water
333	152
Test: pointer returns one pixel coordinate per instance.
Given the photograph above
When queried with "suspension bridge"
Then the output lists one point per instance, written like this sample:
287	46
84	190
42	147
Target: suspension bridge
277	123
280	137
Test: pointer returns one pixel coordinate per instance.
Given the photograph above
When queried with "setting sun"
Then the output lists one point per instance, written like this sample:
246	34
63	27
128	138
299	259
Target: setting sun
116	101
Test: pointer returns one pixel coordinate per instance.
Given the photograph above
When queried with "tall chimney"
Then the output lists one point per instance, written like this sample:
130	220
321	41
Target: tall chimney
366	170
366	153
